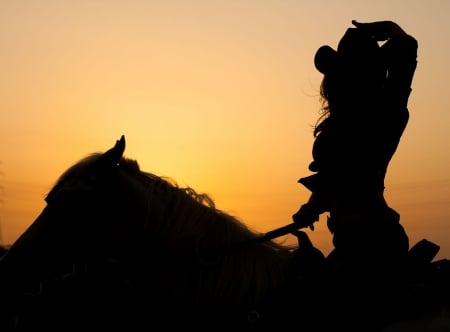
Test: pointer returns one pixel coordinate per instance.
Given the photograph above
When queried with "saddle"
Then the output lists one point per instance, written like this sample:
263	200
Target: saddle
331	303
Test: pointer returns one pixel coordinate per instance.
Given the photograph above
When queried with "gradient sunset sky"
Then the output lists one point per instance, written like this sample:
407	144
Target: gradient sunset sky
218	95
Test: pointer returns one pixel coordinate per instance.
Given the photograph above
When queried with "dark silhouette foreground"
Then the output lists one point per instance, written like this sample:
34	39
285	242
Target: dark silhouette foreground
119	248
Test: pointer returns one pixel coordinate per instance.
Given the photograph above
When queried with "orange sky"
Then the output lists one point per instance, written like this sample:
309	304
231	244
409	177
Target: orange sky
218	95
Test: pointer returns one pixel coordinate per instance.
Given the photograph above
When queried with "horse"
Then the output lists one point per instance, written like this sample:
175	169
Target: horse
119	247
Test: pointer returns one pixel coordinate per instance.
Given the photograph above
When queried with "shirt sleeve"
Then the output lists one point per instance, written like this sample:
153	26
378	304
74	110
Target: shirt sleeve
400	56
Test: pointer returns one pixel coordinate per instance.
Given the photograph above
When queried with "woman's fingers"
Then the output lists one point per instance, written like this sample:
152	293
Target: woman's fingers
381	30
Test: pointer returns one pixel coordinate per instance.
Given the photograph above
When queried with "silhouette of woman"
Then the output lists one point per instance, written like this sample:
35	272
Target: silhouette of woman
365	89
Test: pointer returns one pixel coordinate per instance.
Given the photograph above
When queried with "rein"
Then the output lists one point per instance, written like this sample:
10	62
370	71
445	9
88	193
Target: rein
277	232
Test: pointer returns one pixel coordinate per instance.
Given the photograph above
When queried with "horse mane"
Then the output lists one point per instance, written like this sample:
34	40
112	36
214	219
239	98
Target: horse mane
189	223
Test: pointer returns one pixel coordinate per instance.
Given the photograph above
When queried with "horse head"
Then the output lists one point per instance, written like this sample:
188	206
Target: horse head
135	247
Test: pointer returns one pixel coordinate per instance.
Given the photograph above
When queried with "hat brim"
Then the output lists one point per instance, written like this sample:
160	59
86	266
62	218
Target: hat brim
325	59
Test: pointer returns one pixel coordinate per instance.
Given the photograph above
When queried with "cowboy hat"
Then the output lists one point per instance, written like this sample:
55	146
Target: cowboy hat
355	47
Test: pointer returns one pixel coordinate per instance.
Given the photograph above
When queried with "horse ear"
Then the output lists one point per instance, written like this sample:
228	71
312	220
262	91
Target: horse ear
113	155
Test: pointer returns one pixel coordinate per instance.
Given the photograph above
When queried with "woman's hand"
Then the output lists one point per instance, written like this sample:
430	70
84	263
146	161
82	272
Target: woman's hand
381	30
306	216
